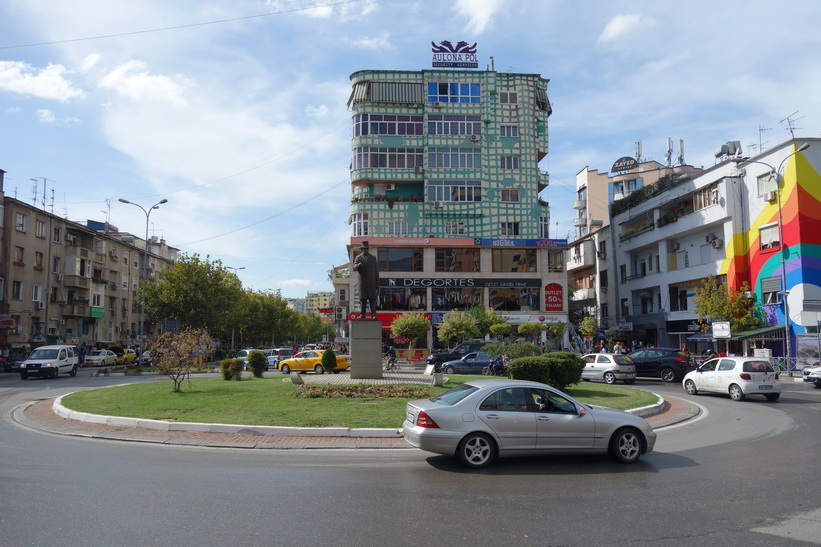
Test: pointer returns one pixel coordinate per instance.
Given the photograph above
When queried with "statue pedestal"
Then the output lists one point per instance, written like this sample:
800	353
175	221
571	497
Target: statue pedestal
366	349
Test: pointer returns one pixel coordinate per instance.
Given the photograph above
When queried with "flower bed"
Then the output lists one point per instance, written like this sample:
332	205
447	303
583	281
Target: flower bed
362	391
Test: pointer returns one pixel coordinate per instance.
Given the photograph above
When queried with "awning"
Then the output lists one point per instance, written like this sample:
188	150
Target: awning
744	335
6	321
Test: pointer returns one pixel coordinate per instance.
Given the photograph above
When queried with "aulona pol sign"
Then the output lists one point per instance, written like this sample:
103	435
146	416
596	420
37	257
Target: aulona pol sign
446	55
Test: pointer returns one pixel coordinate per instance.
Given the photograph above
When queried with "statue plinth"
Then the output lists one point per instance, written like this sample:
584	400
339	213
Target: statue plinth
366	349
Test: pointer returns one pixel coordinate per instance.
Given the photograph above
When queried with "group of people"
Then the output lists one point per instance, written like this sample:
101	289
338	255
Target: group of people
620	347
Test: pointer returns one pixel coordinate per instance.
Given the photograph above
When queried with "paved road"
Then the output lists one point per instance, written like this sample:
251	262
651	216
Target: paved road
736	474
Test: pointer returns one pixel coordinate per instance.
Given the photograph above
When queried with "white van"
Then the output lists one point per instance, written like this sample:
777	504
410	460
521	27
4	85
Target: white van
50	361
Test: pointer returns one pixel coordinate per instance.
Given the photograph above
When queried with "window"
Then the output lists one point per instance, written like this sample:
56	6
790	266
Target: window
384	157
456	260
455	158
40	229
359	221
508	162
18	256
124	281
510	194
402	299
399	259
508	97
625	308
514	299
454	190
454	228
452	92
603	279
16	290
544	226
52	295
622	273
767	183
386	124
509	229
20	222
38	260
36	293
57	234
770	287
125	258
397	228
508	130
448	124
705	197
768	236
514	260
451	299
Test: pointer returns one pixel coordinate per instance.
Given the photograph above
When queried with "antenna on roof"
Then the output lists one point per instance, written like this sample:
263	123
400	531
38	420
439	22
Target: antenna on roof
668	157
680	159
761	130
791	123
638	151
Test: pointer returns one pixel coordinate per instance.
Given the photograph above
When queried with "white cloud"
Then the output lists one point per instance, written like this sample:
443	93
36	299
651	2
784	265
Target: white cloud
46	116
317	112
623	25
380	42
132	80
479	13
47	83
90	61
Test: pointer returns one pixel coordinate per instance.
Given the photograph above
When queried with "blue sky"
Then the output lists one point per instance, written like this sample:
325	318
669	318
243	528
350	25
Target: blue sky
236	111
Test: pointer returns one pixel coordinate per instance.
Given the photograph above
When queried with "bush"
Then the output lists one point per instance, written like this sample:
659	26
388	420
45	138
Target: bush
257	363
513	351
329	360
231	369
559	369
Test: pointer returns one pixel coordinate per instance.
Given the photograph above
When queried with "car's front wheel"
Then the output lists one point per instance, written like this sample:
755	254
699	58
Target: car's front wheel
24	376
609	378
318	369
736	394
625	445
690	387
668	375
286	369
476	450
55	372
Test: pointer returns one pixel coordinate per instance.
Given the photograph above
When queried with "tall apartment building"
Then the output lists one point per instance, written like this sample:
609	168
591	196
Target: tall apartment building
315	301
65	282
445	188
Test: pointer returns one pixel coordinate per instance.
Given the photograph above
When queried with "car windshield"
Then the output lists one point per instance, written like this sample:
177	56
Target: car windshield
97	352
454	395
43	354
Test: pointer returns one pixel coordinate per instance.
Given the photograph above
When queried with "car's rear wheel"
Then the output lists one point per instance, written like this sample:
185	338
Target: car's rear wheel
772	396
609	378
286	369
625	445
736	394
318	369
73	371
449	370
476	450
668	375
629	382
690	387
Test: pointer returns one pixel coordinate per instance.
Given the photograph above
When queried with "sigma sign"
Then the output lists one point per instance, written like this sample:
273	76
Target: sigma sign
553	297
446	55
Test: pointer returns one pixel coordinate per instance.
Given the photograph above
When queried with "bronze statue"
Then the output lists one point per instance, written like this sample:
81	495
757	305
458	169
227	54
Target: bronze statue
365	264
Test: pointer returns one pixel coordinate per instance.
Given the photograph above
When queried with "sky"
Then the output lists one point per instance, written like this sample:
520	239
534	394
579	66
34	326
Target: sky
235	112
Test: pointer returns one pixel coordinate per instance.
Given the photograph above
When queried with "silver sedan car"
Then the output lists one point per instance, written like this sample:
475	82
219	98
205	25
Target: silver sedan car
482	419
609	367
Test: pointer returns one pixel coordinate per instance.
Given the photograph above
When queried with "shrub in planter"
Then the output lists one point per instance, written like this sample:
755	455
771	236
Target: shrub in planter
257	362
231	369
329	360
558	369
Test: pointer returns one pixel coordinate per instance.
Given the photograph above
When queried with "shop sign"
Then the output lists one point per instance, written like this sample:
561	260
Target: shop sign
458	282
624	163
553	297
446	55
506	242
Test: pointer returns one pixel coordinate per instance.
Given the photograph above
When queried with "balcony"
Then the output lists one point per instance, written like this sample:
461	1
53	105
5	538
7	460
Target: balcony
76	310
579	204
579	222
77	281
584	294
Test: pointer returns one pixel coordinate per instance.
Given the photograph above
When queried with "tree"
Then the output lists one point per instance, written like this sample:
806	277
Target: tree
329	360
457	326
175	354
413	326
532	329
200	294
485	319
501	329
713	302
588	326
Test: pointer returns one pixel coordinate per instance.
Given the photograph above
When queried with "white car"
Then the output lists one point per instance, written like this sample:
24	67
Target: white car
737	376
609	367
812	374
101	357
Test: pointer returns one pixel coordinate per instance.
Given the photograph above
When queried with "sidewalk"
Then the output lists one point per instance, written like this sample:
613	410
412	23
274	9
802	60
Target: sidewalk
49	416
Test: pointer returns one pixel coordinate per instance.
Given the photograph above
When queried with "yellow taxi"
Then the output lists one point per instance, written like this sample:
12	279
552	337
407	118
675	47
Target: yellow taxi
310	360
125	356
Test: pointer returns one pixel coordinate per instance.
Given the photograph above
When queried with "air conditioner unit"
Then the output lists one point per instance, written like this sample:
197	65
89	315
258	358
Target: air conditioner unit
676	246
711	238
60	277
769	196
340	313
437	104
62	321
41	305
438	204
601	254
718	243
71	239
475	138
112	253
390	187
113	311
418	170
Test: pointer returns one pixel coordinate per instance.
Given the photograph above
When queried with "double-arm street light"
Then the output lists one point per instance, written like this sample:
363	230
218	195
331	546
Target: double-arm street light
784	290
145	261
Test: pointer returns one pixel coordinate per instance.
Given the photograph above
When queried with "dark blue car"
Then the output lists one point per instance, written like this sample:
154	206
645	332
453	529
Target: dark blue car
471	363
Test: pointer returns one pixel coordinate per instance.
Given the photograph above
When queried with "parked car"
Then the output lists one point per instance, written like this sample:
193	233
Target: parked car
244	354
275	355
472	363
101	357
125	356
669	364
310	360
50	361
736	376
609	367
436	359
479	420
144	359
814	376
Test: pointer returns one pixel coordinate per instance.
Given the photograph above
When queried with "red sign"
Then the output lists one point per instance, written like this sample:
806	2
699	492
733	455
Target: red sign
326	310
385	317
553	297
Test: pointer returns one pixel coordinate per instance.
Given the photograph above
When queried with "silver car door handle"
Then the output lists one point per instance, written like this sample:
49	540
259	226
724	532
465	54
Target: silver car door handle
492	416
543	418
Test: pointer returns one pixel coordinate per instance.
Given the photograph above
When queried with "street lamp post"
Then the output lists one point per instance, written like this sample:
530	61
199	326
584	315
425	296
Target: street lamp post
784	292
232	326
145	261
